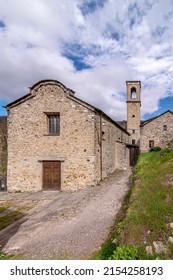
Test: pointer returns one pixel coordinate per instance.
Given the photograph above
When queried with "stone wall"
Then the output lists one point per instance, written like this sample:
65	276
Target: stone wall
29	142
122	156
110	141
133	110
87	145
110	150
153	130
98	147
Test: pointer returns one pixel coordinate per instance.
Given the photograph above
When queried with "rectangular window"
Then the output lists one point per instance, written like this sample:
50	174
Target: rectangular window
151	144
133	142
164	127
133	131
54	124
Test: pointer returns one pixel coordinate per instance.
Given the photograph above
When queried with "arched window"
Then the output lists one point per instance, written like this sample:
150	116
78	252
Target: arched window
133	92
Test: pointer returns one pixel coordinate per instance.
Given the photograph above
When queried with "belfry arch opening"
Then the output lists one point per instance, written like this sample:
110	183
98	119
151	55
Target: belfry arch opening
133	92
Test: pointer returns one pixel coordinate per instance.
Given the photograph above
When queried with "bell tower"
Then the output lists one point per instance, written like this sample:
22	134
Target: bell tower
133	110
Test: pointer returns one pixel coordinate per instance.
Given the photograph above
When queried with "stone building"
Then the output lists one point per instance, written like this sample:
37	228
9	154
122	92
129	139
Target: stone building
133	110
150	133
57	141
157	132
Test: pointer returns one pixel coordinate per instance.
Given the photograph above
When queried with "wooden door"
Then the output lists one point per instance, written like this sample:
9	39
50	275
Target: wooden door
52	175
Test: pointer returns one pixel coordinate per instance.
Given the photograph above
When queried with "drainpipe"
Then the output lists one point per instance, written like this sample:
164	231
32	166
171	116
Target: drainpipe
101	159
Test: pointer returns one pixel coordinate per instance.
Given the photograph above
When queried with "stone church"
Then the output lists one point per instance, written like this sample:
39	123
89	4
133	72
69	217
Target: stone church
57	141
157	131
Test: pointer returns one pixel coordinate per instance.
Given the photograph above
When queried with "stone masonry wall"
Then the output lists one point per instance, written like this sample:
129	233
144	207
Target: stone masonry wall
122	156
154	131
98	148
29	142
133	124
113	156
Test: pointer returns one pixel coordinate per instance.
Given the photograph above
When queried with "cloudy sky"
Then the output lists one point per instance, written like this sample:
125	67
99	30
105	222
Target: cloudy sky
91	46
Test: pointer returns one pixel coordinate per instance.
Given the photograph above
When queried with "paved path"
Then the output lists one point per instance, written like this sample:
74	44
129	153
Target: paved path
65	225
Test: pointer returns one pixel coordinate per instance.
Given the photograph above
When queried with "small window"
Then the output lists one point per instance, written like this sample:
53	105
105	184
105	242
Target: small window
54	124
133	116
133	142
164	127
151	144
133	131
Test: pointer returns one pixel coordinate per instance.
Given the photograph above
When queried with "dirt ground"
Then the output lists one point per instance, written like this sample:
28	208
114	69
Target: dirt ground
64	225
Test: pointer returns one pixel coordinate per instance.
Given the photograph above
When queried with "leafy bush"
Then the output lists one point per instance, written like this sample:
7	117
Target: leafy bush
166	154
126	252
165	151
2	256
155	149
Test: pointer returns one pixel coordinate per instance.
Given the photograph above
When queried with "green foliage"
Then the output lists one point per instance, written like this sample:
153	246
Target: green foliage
126	252
147	210
151	207
120	227
155	149
18	191
106	250
2	209
133	178
170	145
166	154
10	218
3	170
2	256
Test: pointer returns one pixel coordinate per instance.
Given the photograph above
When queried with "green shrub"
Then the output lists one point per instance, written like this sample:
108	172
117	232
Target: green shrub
2	256
155	149
126	252
166	154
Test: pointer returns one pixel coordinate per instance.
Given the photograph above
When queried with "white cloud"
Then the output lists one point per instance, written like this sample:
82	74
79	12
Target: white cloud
119	40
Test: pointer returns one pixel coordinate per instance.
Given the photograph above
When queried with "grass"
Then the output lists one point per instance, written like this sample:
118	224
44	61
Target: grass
147	210
16	256
3	256
6	205
12	215
152	207
10	218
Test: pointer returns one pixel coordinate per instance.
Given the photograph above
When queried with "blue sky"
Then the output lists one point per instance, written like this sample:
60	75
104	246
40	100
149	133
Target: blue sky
93	47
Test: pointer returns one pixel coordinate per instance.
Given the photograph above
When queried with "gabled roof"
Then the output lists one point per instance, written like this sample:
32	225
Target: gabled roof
150	120
17	101
36	86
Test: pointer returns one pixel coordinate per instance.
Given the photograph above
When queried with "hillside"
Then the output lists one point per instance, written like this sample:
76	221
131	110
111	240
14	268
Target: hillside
145	227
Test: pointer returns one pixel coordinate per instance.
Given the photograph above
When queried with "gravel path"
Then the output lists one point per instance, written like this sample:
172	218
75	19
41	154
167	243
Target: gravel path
65	225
